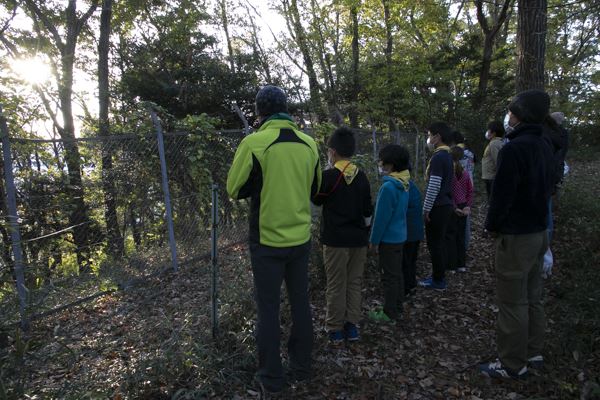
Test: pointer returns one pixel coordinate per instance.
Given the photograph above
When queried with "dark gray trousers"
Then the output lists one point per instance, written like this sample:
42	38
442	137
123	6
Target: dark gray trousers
392	278
271	266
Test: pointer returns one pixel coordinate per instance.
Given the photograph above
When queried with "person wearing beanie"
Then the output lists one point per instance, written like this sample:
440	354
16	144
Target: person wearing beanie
278	168
389	230
345	196
495	134
517	219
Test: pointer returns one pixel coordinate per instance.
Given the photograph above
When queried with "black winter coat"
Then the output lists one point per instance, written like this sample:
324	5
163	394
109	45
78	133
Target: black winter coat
523	184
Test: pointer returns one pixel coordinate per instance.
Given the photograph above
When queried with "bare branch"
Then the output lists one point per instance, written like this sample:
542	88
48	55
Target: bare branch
50	27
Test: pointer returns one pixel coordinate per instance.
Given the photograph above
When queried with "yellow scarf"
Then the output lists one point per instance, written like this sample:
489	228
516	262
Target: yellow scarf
438	149
461	145
402	176
348	169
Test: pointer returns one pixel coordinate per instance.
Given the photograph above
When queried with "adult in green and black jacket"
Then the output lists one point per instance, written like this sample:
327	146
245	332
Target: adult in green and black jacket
278	168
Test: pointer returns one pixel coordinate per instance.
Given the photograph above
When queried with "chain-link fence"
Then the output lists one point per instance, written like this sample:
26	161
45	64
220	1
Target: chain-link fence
93	214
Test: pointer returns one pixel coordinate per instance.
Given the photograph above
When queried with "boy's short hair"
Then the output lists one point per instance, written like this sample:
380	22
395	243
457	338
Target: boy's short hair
395	155
442	129
343	142
497	127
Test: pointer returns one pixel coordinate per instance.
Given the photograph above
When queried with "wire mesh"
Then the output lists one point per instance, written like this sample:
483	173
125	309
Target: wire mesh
92	211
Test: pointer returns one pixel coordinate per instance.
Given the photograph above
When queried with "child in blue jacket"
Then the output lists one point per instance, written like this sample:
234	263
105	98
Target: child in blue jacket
388	232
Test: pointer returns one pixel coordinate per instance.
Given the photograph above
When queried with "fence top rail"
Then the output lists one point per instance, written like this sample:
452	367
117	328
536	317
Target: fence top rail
171	134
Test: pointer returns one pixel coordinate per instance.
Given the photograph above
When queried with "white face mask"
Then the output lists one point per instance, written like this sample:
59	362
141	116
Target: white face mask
507	126
381	170
430	144
488	135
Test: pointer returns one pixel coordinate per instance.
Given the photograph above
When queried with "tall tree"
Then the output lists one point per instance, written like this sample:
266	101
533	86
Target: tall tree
115	241
389	48
293	15
490	32
531	44
65	41
355	85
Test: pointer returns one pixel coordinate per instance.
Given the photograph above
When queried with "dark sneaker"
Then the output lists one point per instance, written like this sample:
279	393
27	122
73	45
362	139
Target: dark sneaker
269	392
336	337
351	332
430	283
536	362
497	370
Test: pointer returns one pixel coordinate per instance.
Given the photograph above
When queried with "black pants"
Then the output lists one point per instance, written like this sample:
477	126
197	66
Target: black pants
271	266
436	231
392	279
488	187
409	264
457	249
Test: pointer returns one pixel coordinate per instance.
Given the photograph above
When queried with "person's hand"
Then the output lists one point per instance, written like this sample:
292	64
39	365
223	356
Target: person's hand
426	217
466	211
548	264
458	212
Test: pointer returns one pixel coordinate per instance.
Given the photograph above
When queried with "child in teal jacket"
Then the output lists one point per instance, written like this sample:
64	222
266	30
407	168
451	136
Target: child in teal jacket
388	232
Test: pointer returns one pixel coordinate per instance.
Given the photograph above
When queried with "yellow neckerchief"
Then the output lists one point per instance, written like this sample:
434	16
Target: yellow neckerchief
403	177
461	145
348	169
438	149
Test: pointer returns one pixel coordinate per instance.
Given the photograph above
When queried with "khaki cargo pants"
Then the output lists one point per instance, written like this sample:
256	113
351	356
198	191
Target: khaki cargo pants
521	319
344	267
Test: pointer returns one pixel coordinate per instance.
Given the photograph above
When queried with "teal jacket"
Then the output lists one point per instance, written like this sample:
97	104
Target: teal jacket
278	168
389	220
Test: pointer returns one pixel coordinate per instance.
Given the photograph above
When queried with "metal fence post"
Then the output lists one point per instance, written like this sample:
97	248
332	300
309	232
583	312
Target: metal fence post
13	222
214	260
165	185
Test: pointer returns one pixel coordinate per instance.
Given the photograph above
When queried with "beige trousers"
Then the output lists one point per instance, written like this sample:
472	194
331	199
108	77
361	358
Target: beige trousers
344	267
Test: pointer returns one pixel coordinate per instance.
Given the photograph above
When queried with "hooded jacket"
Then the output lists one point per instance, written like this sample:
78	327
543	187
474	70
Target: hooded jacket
278	168
389	221
523	183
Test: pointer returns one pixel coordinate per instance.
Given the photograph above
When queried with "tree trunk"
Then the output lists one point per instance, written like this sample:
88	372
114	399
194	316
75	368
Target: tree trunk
531	44
78	216
115	241
490	33
225	22
389	47
313	83
355	88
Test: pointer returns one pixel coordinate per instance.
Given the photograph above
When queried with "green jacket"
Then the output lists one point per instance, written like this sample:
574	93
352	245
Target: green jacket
278	168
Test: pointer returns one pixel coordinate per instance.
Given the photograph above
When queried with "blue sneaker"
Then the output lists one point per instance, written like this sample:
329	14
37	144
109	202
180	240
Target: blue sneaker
351	332
336	337
430	283
497	370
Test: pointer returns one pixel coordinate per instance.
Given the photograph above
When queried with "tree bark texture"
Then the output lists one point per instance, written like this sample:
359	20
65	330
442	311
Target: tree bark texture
531	44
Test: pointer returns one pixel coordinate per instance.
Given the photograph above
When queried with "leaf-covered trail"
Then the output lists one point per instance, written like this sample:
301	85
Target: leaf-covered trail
155	341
